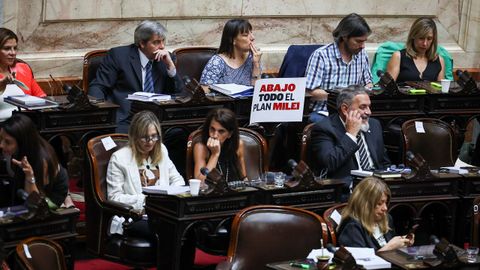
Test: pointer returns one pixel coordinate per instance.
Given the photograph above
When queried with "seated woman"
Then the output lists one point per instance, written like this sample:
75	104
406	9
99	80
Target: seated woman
237	60
220	146
365	221
143	162
419	60
34	160
11	68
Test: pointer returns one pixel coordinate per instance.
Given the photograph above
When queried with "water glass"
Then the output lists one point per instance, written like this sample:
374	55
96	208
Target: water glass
472	253
279	179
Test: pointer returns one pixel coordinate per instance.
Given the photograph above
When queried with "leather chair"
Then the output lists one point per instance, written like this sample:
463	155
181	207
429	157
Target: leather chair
295	62
255	151
330	221
437	145
269	233
306	150
125	249
190	61
43	254
91	62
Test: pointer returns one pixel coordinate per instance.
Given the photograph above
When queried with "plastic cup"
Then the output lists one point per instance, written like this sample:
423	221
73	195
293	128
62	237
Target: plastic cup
472	253
279	179
445	85
194	186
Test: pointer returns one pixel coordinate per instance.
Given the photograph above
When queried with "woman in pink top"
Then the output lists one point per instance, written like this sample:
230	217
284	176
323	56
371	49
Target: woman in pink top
11	68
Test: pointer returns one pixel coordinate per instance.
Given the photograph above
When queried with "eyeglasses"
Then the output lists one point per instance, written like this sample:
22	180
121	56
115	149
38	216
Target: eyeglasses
148	139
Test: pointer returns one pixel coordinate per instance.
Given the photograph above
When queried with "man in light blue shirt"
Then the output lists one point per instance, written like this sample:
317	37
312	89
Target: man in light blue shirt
339	64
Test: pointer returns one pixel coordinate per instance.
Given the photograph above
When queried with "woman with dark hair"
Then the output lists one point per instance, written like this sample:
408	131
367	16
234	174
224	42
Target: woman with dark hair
365	220
237	59
220	147
143	162
419	60
34	160
11	68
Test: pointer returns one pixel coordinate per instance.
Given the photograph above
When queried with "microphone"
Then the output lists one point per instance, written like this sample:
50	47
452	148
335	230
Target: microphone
380	73
330	248
205	171
434	239
22	194
292	163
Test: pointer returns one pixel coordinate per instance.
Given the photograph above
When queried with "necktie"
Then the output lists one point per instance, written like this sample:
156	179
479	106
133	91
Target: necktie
148	83
362	153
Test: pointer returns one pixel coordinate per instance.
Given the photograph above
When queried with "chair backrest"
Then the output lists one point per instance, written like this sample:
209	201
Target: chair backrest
91	62
295	61
331	217
190	61
437	144
306	151
278	233
384	53
42	254
255	152
96	188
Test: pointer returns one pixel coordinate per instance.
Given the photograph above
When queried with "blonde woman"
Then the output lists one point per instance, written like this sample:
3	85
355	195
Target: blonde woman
143	162
419	60
365	220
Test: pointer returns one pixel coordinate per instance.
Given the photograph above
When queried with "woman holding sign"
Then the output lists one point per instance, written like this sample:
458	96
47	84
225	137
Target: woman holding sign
220	147
13	71
237	59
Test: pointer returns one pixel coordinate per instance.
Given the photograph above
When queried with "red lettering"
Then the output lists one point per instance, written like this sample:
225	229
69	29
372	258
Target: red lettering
262	89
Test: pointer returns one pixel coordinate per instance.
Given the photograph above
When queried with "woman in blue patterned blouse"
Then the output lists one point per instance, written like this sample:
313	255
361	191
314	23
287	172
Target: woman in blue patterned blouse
237	60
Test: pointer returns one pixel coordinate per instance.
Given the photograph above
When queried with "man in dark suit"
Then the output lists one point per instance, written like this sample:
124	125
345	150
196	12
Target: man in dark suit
336	141
124	70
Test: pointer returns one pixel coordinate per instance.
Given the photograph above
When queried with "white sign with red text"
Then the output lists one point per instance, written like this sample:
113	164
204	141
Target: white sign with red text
278	100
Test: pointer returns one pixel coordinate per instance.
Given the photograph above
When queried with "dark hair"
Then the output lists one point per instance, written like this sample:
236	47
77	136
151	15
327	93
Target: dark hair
231	29
6	34
33	146
228	120
353	25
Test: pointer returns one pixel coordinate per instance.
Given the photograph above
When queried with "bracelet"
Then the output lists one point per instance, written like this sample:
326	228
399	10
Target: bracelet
31	180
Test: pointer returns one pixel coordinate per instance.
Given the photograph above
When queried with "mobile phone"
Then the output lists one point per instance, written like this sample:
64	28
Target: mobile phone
412	230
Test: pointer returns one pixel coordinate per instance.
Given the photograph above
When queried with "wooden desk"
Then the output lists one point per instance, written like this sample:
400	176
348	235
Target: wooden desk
59	226
405	261
174	218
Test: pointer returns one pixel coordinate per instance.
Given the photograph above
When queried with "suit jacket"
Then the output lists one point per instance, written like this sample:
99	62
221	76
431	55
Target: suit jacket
335	150
120	74
351	233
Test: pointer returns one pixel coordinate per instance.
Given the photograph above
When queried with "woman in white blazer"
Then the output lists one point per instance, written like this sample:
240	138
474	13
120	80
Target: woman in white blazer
143	162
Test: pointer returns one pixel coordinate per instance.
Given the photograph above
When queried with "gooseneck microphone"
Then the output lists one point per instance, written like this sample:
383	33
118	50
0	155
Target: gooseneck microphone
22	194
330	248
205	171
292	163
380	73
434	239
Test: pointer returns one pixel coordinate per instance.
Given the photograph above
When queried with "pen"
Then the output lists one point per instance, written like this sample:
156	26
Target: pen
300	265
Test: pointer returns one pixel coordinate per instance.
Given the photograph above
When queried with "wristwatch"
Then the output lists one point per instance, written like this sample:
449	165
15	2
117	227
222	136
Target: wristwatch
31	180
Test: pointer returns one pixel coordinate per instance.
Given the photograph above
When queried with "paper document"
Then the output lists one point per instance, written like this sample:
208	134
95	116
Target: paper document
28	100
232	89
363	256
148	97
170	190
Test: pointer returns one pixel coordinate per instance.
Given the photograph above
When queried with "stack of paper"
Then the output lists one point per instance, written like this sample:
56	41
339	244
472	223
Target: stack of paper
148	97
170	190
233	90
28	100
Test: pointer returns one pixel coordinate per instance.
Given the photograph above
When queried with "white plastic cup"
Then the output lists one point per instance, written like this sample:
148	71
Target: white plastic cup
445	85
472	253
194	186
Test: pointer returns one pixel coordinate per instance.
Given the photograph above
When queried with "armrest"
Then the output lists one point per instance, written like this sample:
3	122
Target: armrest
117	208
